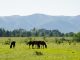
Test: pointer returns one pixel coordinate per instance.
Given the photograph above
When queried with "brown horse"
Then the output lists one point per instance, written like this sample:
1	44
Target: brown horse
37	43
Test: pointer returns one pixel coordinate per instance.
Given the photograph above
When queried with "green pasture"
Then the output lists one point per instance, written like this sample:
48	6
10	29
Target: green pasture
62	51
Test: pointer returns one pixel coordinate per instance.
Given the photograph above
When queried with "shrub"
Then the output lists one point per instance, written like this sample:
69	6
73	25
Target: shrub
38	53
7	42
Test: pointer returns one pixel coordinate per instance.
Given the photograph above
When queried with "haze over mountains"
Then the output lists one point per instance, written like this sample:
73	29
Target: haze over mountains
62	23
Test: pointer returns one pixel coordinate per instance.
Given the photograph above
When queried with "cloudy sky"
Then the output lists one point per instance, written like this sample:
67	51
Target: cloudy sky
49	7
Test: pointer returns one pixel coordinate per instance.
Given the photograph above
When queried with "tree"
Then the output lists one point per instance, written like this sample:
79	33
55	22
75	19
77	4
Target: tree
1	32
77	37
51	34
29	34
8	34
70	34
56	33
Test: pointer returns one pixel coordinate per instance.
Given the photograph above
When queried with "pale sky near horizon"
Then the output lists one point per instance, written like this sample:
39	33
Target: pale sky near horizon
49	7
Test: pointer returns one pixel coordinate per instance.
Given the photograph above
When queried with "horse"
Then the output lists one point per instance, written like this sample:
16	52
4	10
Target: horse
12	45
30	43
37	43
43	43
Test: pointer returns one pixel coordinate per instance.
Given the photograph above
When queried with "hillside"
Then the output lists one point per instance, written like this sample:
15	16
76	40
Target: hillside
62	23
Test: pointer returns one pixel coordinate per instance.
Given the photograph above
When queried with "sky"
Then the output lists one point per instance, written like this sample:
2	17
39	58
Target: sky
49	7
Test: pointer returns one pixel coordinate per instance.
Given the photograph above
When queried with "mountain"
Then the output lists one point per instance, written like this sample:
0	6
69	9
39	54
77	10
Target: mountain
62	23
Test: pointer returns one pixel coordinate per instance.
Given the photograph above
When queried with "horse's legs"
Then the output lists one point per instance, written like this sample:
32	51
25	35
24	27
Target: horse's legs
13	45
32	46
29	45
43	46
38	46
10	46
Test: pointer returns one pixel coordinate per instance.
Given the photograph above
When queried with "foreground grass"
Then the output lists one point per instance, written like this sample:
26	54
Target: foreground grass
53	52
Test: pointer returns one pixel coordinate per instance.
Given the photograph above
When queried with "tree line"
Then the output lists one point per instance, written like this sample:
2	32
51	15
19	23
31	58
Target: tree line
34	33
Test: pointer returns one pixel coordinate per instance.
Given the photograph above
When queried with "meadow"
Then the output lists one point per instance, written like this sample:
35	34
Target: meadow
54	51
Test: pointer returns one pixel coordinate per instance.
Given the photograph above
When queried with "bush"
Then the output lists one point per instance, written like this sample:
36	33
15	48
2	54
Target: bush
38	53
7	42
77	37
59	41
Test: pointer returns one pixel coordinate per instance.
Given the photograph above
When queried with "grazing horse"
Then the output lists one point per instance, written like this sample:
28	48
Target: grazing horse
30	43
12	45
42	43
37	43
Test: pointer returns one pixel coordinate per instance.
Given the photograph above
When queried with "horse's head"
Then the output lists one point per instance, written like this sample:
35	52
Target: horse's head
45	45
28	43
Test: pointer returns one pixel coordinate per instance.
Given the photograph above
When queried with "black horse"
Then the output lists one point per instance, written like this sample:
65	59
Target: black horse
37	43
12	45
30	43
42	43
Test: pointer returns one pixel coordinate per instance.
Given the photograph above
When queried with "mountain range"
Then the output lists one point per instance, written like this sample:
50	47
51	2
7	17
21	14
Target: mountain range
40	21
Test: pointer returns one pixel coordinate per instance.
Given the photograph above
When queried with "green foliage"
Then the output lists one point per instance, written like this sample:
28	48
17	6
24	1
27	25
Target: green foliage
77	37
58	41
37	33
70	34
7	42
32	33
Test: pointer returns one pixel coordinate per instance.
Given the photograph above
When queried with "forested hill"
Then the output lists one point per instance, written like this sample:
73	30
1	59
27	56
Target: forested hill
61	23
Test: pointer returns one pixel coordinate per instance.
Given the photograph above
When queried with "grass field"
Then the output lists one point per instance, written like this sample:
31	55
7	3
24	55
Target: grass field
54	51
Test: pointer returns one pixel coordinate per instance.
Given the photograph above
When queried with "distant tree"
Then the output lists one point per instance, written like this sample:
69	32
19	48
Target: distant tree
51	34
77	37
37	33
29	33
70	34
43	34
34	32
56	33
1	32
8	34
